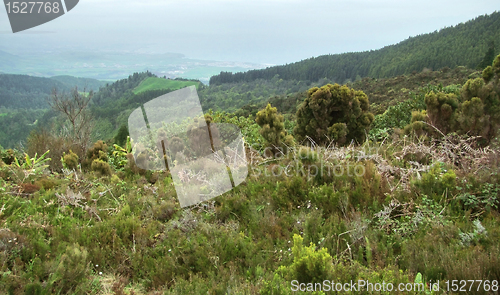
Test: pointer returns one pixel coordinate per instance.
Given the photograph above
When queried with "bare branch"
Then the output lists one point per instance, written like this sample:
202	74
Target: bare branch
75	108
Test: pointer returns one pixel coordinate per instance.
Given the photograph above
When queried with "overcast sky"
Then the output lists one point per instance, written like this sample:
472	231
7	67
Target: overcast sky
262	31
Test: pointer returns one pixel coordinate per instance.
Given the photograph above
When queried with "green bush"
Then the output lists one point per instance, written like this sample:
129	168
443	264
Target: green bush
334	112
476	112
98	151
308	155
101	167
437	182
310	265
70	160
71	271
273	128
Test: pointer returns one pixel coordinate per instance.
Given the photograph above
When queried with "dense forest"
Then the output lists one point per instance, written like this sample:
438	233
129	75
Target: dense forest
83	84
27	92
466	44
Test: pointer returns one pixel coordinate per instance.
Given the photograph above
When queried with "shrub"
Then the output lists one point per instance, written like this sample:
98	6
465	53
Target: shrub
41	140
437	182
98	151
273	128
70	271
8	156
70	160
164	211
101	167
334	112
441	110
476	114
418	124
310	265
308	156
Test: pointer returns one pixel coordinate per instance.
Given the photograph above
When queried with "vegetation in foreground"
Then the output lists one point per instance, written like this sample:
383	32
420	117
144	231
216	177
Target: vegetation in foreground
420	204
398	209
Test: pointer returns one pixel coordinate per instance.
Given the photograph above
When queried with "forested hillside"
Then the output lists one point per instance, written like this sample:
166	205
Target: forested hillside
113	103
23	103
245	98
465	44
113	91
82	83
27	92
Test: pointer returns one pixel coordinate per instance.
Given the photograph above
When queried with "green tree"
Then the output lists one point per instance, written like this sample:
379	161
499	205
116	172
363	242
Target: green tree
334	112
441	110
489	56
272	127
477	113
480	110
121	136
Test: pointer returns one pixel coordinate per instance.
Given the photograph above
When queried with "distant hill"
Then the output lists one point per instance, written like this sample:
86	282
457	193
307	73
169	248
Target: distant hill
465	44
111	92
27	92
8	60
382	92
385	92
155	83
82	83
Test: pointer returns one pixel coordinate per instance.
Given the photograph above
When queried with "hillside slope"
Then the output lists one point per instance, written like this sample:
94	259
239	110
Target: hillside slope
156	83
82	83
465	44
27	92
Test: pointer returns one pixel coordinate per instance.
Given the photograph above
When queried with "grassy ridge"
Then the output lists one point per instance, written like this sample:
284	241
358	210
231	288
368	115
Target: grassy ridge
154	83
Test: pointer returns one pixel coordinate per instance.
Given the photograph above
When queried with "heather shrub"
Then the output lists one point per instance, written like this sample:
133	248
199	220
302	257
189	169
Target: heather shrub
307	155
101	167
42	140
98	151
310	265
165	210
70	160
273	129
441	110
334	112
70	271
437	183
8	156
418	124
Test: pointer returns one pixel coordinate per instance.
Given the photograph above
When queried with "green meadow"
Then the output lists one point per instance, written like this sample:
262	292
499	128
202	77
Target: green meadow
154	83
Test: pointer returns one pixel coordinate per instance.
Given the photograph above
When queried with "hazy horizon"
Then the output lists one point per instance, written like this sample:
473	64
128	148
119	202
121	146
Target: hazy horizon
264	32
